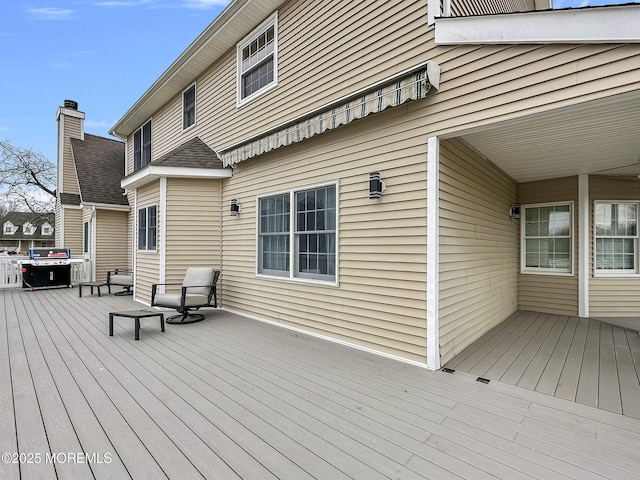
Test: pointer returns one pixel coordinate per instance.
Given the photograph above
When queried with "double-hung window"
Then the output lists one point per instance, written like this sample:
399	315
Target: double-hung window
189	107
547	239
616	237
142	147
147	228
258	60
302	222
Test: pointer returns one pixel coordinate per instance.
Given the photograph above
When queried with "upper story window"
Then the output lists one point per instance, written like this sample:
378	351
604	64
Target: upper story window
147	228
258	60
9	228
142	147
297	235
616	237
47	229
189	107
547	239
28	229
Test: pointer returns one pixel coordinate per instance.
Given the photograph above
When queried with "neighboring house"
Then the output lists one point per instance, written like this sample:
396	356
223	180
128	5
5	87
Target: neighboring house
92	212
22	231
507	145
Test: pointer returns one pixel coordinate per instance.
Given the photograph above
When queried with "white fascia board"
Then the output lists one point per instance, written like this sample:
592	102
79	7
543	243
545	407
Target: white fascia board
614	24
151	173
106	206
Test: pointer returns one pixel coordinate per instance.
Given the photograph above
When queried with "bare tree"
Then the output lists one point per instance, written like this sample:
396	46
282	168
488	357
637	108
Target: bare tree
27	178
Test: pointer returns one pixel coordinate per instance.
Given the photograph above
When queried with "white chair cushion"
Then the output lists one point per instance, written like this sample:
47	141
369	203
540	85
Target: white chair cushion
198	276
120	279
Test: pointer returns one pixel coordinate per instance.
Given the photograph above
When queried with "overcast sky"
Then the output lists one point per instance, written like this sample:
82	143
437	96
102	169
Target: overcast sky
103	54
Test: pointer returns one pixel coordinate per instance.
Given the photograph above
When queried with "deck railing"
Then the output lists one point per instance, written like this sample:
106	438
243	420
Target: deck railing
11	271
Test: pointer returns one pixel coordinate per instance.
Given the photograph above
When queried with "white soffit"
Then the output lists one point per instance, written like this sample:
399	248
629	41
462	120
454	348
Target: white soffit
611	24
236	21
598	137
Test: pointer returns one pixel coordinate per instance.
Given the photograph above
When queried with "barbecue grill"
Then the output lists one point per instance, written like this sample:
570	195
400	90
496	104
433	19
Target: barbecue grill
47	268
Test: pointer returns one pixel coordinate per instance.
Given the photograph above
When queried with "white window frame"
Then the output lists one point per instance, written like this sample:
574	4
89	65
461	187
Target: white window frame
195	108
146	248
636	260
47	229
28	228
142	146
293	274
9	228
266	25
523	252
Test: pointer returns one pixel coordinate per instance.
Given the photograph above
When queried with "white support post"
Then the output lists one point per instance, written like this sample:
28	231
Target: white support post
162	233
583	245
433	255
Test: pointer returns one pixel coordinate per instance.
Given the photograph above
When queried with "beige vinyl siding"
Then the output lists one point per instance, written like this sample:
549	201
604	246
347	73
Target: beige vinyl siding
462	8
72	129
612	297
73	231
481	85
336	57
478	247
381	297
111	234
193	233
551	293
147	262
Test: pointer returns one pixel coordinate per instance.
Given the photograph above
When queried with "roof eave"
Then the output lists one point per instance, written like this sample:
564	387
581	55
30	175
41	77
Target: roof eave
226	30
611	24
153	172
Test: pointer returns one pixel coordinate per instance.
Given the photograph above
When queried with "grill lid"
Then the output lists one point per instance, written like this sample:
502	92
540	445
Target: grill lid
41	253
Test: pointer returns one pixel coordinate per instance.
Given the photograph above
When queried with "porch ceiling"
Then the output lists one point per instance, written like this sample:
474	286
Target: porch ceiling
597	137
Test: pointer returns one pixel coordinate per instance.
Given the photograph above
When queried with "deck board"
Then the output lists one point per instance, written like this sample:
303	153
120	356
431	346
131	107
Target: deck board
577	359
231	397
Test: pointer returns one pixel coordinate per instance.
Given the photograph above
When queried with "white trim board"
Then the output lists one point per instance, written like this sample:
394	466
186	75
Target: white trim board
612	24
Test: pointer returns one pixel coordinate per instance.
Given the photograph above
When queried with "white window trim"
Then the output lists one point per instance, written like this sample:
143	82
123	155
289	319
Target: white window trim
47	229
547	271
291	277
28	229
9	228
616	273
137	244
273	20
195	106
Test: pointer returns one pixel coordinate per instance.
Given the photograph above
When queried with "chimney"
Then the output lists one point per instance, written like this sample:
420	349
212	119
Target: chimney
70	125
71	104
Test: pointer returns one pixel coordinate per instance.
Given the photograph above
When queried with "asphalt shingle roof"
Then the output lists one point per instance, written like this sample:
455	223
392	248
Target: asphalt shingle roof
192	154
100	167
18	219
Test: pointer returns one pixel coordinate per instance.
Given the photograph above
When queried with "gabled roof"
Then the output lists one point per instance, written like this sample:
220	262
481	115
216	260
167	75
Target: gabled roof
193	159
18	219
193	154
100	167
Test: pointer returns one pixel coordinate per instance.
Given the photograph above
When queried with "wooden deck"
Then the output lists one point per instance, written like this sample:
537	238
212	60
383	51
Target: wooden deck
578	359
231	398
